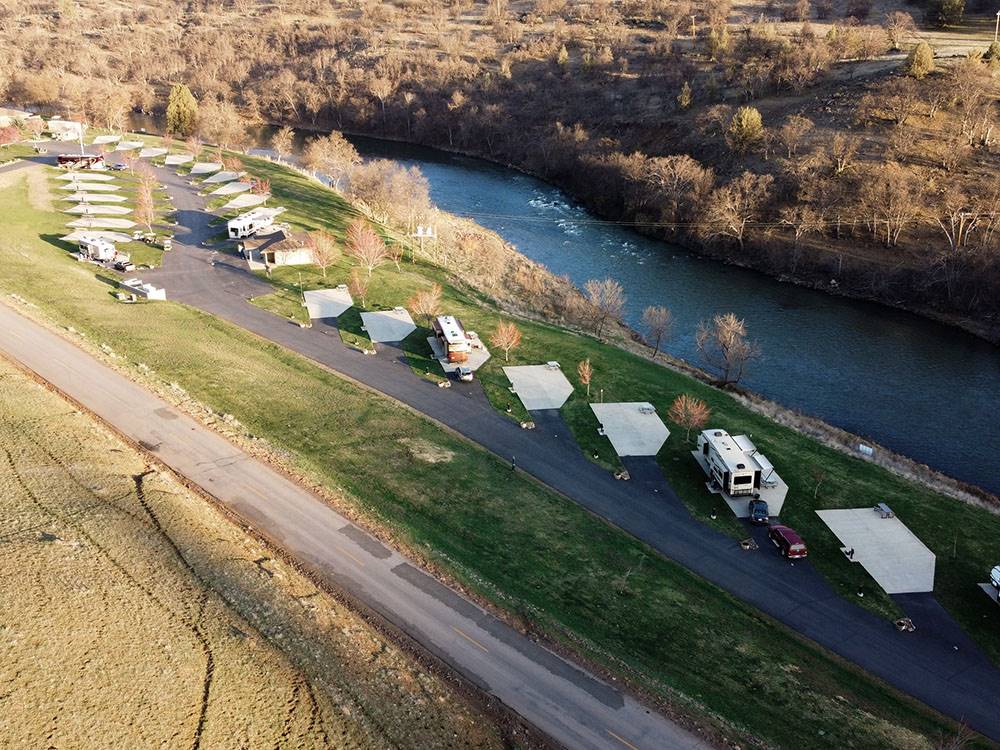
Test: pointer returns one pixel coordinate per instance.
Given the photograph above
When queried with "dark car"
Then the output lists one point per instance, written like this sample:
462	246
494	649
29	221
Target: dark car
758	511
788	542
119	167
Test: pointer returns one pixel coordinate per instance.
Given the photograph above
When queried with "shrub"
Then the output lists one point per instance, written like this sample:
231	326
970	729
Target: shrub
920	61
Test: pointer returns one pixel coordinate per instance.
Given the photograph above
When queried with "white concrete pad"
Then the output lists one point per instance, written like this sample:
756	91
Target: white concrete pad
151	152
206	167
477	357
174	160
247	200
90	187
79	234
892	554
86	176
222	177
232	188
633	427
539	386
89	210
128	145
100	222
773	492
990	590
328	303
388	325
102	139
95	198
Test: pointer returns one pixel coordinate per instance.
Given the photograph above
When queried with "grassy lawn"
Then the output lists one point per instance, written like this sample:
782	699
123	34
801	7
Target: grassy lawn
525	548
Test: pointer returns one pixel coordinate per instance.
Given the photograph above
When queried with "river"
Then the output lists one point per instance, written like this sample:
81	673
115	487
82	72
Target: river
921	388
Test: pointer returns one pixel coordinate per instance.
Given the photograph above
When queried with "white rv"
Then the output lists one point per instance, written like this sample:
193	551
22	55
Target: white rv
735	465
96	248
248	224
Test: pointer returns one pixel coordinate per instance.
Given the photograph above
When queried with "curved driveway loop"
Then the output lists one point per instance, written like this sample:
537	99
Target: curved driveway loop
961	683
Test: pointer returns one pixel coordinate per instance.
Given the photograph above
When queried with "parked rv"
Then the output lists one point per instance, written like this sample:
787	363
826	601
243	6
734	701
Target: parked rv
248	224
788	542
80	161
451	334
96	248
734	465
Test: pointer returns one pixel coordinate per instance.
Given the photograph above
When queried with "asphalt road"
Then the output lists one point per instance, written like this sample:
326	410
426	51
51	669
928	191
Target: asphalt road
933	664
562	700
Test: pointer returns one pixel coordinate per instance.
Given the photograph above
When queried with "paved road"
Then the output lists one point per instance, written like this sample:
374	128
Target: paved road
961	682
565	702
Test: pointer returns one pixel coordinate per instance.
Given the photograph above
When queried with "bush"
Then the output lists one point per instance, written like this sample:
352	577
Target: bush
920	61
746	130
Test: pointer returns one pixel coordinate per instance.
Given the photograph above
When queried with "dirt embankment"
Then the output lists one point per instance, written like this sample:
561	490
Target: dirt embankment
138	616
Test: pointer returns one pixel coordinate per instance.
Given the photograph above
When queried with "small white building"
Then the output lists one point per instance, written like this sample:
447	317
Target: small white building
250	223
65	130
736	469
136	286
279	248
96	248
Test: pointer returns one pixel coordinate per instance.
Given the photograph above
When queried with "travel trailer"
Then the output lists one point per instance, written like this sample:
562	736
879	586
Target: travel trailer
80	161
96	248
453	338
248	224
735	465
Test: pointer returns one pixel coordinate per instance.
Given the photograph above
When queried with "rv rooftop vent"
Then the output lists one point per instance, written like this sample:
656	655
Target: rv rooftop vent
740	466
718	433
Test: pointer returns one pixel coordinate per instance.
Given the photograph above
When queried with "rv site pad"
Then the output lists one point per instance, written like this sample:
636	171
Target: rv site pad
246	200
175	160
328	303
633	427
79	234
91	187
206	167
95	197
86	208
102	139
477	357
231	188
222	177
539	386
388	325
101	222
86	176
152	152
773	494
891	553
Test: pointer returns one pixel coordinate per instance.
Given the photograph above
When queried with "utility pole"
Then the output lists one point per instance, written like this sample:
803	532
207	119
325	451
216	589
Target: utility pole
996	29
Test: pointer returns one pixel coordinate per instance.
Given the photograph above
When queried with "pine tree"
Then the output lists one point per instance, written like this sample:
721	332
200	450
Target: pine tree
684	98
182	111
746	130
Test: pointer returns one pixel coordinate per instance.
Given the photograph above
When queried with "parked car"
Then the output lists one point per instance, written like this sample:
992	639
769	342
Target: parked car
119	167
464	374
758	511
124	265
788	542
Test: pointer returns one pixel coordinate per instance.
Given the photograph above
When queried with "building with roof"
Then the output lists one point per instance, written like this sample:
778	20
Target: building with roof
280	248
738	471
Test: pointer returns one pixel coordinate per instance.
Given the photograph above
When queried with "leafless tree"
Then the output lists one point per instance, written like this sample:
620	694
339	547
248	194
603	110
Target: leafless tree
792	131
358	285
333	155
427	302
586	372
324	250
890	201
841	150
507	336
735	205
608	300
658	322
282	142
897	25
365	246
690	413
724	346
144	211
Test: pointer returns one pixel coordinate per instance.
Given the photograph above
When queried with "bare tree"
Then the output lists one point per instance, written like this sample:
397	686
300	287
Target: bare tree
144	211
792	131
586	373
395	253
507	336
365	246
324	250
333	155
842	150
658	322
426	302
732	207
898	24
690	413
358	285
890	201
282	141
724	346
607	298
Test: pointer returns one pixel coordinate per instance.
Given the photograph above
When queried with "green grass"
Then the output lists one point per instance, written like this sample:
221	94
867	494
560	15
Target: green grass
525	548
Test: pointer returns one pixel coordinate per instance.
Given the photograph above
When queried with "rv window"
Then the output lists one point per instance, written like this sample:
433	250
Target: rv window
743	479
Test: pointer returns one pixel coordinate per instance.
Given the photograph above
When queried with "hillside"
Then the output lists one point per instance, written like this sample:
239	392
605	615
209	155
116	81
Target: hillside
857	178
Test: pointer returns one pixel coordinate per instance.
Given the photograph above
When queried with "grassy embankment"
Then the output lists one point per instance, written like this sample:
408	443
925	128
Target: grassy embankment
127	593
525	548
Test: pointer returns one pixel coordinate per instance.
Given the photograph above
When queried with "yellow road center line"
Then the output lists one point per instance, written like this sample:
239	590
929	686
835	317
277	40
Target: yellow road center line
356	559
625	742
470	639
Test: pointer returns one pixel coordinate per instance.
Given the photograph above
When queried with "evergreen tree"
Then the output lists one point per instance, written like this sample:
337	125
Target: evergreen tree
920	61
182	111
684	98
746	130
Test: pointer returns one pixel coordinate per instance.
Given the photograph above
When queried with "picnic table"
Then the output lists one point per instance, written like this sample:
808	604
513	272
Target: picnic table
884	510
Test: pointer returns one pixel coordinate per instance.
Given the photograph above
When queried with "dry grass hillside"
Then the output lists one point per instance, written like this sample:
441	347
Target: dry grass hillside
856	176
143	618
